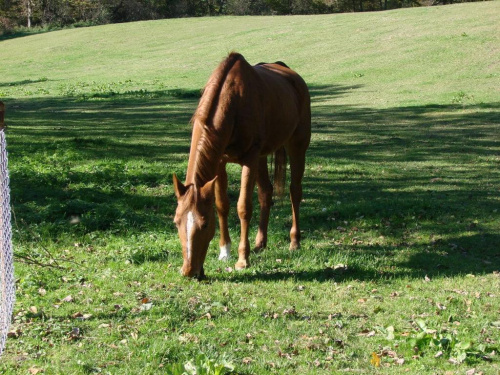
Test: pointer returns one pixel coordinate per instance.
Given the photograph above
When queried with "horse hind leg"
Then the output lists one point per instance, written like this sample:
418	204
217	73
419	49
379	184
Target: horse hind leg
222	204
297	165
265	193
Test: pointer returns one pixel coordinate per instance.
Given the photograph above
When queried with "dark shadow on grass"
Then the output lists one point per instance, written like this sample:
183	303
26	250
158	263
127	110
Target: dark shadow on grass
23	82
474	255
440	159
49	137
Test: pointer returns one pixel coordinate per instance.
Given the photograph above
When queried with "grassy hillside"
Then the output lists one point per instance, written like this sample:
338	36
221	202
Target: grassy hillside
440	50
400	215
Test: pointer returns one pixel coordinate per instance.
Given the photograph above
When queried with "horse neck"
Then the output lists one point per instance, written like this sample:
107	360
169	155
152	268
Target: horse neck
204	157
209	141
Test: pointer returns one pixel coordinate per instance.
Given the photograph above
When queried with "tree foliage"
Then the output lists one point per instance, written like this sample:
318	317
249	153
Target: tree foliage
59	13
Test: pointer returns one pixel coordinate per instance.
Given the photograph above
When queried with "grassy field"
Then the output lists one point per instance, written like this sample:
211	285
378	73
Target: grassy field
399	266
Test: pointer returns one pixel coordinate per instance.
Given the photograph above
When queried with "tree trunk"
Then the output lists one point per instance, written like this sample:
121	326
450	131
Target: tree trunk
28	3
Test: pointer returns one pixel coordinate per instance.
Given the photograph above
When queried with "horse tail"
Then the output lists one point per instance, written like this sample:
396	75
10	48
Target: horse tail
279	171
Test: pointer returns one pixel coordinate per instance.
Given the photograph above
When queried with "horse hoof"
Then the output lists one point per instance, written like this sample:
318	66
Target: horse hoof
241	264
258	248
294	246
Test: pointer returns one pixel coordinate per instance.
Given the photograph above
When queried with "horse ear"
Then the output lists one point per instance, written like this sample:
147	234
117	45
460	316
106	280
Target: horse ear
207	190
179	187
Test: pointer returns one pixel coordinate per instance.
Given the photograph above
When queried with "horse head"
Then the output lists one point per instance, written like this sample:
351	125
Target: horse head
195	221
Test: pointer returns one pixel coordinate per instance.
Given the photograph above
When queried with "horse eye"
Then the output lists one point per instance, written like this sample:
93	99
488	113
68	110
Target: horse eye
203	223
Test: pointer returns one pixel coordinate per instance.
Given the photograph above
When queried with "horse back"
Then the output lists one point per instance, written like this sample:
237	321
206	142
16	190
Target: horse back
254	107
287	103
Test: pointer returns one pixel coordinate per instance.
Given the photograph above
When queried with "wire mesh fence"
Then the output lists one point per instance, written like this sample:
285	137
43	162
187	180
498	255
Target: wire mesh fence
7	292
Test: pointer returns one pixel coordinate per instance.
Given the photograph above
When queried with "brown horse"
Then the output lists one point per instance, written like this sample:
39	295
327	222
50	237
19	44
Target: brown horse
245	113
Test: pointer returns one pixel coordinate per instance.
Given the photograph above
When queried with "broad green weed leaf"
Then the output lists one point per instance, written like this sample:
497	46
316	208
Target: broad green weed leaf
390	333
422	325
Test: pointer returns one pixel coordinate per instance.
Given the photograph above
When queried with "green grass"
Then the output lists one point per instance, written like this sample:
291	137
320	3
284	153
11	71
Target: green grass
400	214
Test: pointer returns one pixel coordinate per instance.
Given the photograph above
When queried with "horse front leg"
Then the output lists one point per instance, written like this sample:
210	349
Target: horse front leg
222	204
265	188
248	176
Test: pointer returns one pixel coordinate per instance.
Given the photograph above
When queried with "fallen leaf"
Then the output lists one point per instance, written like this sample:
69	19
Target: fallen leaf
340	267
14	334
440	306
366	333
146	306
75	334
42	291
375	361
247	360
389	353
33	310
35	370
67	299
291	311
188	337
284	355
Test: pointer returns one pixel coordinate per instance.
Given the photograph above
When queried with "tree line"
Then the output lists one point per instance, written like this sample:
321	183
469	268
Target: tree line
61	13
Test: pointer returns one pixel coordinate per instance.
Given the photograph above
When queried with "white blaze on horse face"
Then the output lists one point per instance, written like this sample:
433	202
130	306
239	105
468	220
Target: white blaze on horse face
225	251
189	232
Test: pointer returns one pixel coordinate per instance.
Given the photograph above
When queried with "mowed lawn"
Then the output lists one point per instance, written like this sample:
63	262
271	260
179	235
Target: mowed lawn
400	260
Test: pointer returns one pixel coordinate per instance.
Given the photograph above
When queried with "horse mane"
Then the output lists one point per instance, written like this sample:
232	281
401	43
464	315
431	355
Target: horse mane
204	168
213	88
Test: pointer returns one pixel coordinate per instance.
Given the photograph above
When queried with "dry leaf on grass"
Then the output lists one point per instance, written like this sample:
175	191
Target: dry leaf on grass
375	361
366	333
